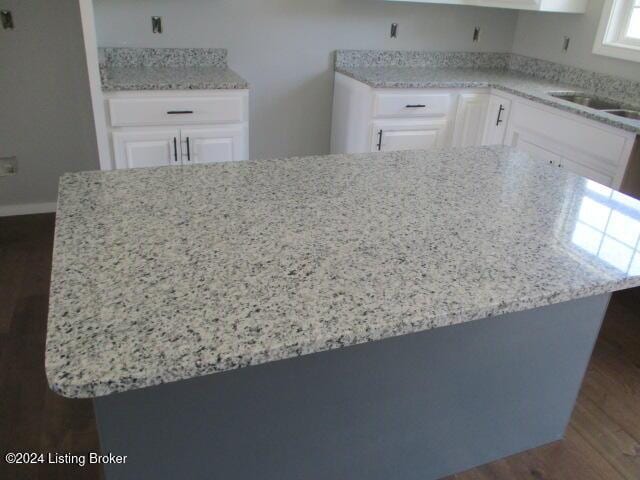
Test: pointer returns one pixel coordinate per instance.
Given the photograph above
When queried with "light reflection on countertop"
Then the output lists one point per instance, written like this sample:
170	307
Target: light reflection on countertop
607	226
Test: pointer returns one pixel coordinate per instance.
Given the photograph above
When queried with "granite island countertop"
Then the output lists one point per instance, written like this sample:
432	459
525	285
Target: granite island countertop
526	77
164	274
139	69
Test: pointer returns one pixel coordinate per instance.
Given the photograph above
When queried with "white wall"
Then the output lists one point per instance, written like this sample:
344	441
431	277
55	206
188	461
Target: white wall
284	49
541	34
45	117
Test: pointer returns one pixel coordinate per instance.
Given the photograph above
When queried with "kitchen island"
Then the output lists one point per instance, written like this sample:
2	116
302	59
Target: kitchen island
395	315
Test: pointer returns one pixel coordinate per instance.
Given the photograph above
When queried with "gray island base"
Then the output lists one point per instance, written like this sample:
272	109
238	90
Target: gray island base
418	406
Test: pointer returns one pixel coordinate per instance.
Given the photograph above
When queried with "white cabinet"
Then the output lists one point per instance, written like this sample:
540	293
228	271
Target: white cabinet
146	148
367	119
371	120
151	129
497	120
543	149
566	6
470	119
586	148
213	145
157	147
388	137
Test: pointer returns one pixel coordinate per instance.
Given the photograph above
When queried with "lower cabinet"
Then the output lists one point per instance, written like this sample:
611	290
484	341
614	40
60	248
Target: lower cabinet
598	153
155	147
368	119
389	136
542	149
158	128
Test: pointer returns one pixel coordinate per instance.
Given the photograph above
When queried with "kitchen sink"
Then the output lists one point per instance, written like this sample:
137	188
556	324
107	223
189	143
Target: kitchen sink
589	101
632	114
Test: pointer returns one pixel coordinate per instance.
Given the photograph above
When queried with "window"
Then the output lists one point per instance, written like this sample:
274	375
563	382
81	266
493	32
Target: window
619	32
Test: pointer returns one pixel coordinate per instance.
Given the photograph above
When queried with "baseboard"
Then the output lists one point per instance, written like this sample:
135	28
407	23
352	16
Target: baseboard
27	209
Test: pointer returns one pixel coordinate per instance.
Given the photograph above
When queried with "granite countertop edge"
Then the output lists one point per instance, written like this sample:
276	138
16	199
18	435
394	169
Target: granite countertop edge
154	79
548	100
115	385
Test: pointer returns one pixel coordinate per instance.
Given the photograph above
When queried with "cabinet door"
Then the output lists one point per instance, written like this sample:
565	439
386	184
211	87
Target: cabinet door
470	119
497	118
214	144
387	137
538	147
146	148
587	172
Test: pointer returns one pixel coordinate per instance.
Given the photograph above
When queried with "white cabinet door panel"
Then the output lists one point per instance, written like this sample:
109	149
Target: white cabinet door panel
590	173
470	119
213	145
539	148
389	137
146	148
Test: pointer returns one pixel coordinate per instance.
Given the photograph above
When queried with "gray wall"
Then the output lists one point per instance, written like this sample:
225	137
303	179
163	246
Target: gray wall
46	117
540	35
283	48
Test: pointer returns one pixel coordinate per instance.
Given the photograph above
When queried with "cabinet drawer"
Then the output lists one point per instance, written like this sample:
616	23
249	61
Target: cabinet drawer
132	111
411	104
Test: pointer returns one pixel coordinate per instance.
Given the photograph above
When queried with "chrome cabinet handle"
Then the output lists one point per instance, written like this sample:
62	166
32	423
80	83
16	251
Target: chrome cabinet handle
379	140
499	120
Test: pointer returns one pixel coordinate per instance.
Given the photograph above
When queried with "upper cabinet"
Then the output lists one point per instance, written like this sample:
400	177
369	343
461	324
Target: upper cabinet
567	6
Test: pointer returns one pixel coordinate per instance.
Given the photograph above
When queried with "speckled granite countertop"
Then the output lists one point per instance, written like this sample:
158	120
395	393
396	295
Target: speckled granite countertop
116	79
126	69
512	82
170	273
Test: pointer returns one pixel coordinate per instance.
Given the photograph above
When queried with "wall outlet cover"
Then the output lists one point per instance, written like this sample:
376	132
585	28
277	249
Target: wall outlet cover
8	166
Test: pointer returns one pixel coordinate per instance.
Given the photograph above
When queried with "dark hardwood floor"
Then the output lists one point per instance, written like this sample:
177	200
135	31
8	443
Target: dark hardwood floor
602	441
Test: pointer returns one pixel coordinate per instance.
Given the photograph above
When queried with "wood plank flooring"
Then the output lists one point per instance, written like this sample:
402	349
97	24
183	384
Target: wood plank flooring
602	441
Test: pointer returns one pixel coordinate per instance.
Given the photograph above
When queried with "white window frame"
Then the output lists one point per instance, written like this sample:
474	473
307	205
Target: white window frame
611	39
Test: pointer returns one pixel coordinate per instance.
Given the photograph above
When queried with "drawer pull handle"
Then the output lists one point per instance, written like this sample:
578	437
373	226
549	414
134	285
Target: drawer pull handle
416	106
499	120
179	112
379	145
175	149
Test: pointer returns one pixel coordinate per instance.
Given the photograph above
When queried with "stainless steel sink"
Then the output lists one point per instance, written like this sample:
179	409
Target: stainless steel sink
632	114
588	101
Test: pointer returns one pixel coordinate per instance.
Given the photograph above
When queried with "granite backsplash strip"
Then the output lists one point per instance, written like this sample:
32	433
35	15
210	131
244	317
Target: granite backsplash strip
397	58
627	91
163	57
603	85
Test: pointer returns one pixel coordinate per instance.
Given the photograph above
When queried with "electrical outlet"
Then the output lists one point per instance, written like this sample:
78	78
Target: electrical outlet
8	166
476	34
7	19
565	44
394	30
156	24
